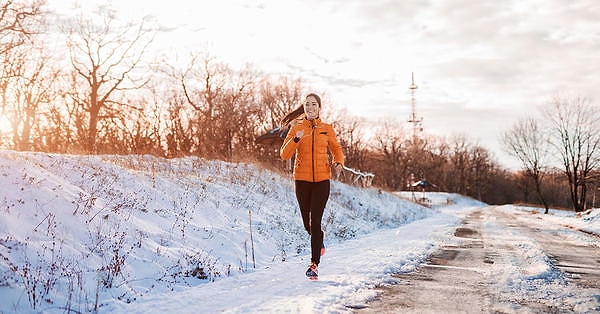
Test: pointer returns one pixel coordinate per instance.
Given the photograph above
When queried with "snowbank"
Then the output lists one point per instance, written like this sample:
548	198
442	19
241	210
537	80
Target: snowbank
84	232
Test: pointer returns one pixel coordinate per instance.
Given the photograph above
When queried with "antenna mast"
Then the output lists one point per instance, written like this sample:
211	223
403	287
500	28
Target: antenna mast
416	122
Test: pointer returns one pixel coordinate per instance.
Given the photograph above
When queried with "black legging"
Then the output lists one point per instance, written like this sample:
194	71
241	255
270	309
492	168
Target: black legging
312	198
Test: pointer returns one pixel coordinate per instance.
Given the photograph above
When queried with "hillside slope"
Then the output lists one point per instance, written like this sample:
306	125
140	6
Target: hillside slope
78	232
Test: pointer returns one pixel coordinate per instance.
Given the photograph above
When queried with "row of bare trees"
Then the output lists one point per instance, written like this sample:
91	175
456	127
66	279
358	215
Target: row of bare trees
89	88
19	24
565	138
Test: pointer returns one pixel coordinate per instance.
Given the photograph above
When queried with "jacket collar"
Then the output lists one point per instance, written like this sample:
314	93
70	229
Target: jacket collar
310	123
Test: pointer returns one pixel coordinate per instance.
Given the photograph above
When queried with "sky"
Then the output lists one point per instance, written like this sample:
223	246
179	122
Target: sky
66	219
479	65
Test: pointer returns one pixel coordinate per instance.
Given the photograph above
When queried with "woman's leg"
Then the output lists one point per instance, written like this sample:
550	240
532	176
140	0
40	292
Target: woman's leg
303	195
319	197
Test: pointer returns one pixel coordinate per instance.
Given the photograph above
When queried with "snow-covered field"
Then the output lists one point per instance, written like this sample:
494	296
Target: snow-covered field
139	234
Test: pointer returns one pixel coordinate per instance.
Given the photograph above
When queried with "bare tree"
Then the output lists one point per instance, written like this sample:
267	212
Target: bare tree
458	174
480	166
171	123
238	115
275	97
350	135
11	66
576	138
180	139
418	157
156	119
434	161
527	142
225	113
391	145
278	97
18	22
203	85
105	55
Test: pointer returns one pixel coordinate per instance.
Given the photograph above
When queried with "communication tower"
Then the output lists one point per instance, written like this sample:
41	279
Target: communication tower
413	119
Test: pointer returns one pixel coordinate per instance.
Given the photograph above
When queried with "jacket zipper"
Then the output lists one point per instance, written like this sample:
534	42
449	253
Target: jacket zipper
313	148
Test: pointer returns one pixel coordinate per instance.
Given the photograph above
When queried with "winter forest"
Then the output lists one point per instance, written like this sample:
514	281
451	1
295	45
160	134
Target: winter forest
91	85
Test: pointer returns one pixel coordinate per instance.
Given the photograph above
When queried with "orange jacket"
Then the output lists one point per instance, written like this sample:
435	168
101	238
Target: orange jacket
312	160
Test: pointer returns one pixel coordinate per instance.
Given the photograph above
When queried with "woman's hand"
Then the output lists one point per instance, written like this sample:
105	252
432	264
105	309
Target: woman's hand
298	136
338	167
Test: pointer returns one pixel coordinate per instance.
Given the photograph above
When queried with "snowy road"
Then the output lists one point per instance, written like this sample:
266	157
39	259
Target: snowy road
494	265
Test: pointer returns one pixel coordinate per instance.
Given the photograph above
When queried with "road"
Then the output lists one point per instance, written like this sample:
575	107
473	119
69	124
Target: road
470	274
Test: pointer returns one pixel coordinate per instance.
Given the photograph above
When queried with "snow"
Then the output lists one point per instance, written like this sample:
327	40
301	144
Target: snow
588	220
139	234
533	276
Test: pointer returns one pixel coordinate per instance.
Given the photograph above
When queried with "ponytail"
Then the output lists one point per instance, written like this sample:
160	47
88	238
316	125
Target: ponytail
292	116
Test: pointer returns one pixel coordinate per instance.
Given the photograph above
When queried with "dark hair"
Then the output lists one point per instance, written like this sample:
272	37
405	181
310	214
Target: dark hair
298	111
316	97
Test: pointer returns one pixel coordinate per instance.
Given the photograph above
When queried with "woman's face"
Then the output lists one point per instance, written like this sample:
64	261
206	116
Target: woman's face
311	108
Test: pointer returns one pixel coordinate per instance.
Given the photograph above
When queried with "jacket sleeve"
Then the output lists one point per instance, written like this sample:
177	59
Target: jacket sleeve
289	146
335	148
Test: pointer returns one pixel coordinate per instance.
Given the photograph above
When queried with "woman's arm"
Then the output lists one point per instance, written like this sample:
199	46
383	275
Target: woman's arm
289	144
335	148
